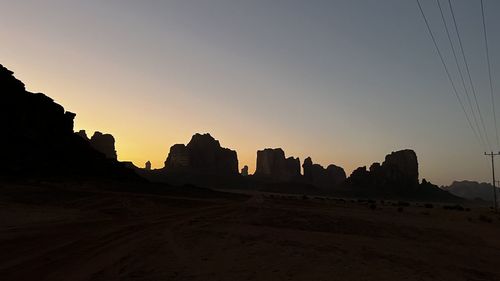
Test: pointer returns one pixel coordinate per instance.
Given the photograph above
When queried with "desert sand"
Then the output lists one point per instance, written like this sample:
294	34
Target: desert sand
84	232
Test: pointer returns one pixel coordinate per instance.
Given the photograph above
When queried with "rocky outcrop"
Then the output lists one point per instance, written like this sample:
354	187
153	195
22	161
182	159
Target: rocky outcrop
272	164
83	135
38	138
317	175
104	143
147	166
202	155
244	171
400	169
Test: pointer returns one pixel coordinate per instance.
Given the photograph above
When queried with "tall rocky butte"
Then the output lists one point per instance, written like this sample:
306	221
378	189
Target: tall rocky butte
38	138
272	164
400	169
202	155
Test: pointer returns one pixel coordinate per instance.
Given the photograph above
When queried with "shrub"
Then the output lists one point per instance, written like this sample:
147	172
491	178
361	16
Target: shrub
485	219
453	207
403	204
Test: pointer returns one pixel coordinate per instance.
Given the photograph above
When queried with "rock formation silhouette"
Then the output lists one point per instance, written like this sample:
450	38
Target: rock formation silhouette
400	169
147	166
272	164
105	143
38	138
244	171
202	155
397	176
83	134
326	178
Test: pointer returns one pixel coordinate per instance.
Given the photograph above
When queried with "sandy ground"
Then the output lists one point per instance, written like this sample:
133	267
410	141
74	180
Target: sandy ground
94	235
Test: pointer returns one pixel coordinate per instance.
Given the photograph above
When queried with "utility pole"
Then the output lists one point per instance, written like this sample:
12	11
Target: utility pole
492	155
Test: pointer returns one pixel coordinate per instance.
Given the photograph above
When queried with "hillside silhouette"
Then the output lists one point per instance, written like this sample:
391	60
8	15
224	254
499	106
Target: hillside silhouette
38	138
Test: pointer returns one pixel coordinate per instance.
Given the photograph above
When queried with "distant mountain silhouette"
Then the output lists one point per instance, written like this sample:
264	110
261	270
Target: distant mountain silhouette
472	190
38	138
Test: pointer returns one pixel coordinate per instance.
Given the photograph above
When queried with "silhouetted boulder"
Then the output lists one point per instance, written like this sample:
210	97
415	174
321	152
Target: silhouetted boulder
38	138
147	166
321	177
244	171
272	164
104	143
202	155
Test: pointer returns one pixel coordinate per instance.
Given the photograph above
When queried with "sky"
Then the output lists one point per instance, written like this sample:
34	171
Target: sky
345	82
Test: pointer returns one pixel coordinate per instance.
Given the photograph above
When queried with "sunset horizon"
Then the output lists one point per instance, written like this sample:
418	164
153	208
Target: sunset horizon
223	140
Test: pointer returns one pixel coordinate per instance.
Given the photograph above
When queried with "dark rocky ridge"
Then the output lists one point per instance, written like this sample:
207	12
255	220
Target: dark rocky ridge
472	190
38	137
272	165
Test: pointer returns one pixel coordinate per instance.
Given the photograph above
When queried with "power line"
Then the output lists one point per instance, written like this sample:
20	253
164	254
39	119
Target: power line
446	68
460	71
468	73
489	72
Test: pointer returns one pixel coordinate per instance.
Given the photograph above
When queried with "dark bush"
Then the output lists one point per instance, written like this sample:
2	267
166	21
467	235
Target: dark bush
403	204
485	219
453	207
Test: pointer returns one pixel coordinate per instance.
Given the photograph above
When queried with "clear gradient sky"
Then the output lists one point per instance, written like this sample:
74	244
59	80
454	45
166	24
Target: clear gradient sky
345	82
